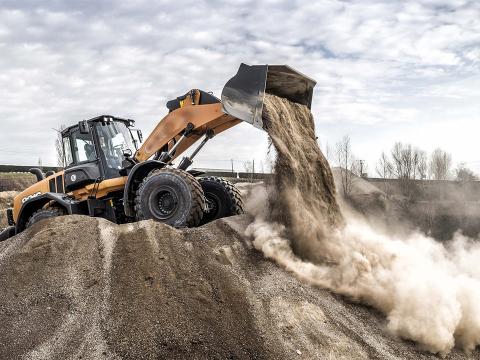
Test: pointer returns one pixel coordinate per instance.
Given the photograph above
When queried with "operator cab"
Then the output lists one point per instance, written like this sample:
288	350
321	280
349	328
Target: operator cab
95	149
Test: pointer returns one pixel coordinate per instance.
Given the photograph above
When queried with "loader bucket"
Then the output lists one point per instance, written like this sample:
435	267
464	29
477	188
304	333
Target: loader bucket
242	96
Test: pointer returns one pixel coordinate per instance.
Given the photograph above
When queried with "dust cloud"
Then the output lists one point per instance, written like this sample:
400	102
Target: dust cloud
304	188
429	291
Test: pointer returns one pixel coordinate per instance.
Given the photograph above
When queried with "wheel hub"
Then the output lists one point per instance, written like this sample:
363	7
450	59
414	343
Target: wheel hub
167	203
212	204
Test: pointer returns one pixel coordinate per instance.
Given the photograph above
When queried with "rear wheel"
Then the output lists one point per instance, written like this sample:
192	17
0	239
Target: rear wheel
171	196
222	197
45	213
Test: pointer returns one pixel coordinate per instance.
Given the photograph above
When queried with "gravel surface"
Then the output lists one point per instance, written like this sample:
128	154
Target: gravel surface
84	288
6	198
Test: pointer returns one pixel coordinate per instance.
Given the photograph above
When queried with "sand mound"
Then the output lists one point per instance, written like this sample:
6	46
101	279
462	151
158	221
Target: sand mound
83	288
6	198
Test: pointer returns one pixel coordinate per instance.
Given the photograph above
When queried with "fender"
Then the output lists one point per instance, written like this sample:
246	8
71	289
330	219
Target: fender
135	177
196	173
34	203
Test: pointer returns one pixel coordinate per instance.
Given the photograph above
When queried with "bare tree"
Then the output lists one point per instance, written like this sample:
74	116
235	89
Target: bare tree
345	160
464	174
402	160
408	164
422	167
440	164
384	167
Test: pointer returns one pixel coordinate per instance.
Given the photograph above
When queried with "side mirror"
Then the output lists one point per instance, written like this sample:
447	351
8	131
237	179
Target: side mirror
83	126
127	153
140	135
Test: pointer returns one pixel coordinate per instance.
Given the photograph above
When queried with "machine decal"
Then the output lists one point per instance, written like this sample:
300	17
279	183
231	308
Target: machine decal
26	198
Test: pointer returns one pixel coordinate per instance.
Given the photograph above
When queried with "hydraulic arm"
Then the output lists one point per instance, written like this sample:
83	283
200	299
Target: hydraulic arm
241	100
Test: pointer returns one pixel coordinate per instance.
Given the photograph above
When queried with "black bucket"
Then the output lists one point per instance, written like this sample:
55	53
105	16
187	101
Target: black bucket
243	94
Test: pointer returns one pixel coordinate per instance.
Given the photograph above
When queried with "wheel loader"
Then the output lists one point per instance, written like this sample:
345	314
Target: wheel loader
110	172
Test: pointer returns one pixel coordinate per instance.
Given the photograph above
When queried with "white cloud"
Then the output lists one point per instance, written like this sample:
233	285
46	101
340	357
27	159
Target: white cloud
379	65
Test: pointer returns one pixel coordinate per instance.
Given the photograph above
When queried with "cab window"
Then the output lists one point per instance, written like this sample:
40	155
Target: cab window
83	147
114	138
67	149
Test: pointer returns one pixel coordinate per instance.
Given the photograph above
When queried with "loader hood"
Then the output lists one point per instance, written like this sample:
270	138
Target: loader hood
242	96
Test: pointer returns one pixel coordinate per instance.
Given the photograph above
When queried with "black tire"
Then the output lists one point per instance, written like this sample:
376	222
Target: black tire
45	213
7	233
222	197
171	196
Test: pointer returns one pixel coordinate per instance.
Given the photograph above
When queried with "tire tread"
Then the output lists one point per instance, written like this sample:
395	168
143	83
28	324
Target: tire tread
54	210
237	206
196	213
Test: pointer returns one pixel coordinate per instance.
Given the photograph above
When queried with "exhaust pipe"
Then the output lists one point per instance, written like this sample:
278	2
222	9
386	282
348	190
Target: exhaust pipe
38	173
242	96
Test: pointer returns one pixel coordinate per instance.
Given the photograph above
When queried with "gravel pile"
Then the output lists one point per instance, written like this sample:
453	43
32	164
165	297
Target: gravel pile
83	288
6	198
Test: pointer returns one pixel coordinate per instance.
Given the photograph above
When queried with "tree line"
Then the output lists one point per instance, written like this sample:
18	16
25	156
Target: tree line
404	162
407	162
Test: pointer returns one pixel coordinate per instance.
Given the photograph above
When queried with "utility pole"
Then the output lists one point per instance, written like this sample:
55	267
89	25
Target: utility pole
253	169
361	167
231	160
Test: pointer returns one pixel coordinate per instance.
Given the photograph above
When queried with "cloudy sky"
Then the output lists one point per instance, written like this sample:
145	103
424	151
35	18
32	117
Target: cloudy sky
386	71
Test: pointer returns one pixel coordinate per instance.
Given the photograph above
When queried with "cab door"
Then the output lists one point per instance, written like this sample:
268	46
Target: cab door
82	160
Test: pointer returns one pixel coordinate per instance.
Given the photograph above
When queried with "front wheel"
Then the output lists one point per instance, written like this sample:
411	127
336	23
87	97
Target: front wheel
170	196
222	197
45	213
7	233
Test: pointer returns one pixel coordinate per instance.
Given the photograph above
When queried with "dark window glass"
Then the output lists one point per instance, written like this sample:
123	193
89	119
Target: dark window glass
114	138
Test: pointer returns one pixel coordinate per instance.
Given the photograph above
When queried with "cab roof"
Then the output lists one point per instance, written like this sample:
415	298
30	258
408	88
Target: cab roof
100	118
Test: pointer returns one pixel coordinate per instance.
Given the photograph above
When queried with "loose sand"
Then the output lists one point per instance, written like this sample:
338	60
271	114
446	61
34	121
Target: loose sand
83	288
6	198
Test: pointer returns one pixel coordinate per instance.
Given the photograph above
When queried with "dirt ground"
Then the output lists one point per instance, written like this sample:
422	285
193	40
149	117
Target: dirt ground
84	288
16	181
6	198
